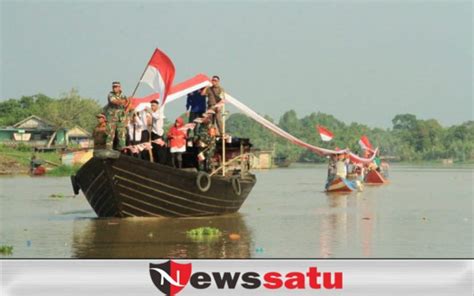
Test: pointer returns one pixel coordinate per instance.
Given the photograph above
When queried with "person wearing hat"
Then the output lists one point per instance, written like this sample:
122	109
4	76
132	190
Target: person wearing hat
116	117
99	135
205	140
215	93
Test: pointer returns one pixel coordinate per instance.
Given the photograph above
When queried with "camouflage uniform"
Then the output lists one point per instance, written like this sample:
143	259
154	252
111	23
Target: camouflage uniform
100	136
116	120
203	136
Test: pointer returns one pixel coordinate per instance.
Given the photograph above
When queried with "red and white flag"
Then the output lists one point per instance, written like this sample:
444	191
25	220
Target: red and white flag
159	74
326	135
365	143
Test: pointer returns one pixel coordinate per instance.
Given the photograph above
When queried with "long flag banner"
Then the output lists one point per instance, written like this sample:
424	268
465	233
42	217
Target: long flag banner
201	80
177	91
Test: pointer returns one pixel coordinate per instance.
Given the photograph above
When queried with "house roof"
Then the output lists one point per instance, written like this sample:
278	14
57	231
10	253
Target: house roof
78	131
34	122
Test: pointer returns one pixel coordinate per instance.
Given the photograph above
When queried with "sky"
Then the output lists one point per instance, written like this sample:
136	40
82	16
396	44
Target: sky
362	61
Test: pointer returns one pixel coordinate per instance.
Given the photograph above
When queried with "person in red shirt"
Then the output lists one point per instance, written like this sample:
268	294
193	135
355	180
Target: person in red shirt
177	140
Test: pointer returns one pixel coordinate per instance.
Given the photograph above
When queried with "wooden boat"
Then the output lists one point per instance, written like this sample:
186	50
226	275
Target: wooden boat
374	177
123	186
341	185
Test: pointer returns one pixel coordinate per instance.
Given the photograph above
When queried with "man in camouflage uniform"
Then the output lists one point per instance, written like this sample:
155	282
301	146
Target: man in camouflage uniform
100	135
205	139
215	94
116	117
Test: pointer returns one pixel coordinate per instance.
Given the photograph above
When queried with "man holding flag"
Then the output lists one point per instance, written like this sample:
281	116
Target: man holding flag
116	117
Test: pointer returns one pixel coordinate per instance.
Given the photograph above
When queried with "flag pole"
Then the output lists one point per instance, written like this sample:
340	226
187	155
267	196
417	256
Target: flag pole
141	77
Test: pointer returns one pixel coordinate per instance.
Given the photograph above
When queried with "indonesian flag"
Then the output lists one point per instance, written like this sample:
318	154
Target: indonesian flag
176	91
365	143
159	74
326	135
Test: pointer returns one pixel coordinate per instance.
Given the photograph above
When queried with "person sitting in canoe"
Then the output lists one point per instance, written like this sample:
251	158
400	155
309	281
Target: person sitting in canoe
331	169
177	139
341	166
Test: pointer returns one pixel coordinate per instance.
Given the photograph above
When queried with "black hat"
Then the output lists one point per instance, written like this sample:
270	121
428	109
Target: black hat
115	83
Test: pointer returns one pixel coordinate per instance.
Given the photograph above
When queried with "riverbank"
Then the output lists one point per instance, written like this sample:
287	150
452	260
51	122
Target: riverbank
15	161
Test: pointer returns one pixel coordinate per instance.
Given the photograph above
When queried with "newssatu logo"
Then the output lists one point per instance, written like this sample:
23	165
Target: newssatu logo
171	277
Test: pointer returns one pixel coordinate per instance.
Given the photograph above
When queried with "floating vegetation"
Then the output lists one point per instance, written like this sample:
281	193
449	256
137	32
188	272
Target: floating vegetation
57	195
203	234
6	250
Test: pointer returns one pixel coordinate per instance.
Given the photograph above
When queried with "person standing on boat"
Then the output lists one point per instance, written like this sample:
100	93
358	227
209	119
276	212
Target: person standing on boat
135	129
116	117
100	132
195	105
215	94
205	139
154	119
177	139
134	135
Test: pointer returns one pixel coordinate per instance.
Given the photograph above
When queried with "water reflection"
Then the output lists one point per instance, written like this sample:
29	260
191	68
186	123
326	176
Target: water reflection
348	222
161	238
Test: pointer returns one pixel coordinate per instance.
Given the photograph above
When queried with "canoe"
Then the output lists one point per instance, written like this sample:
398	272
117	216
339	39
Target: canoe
125	186
341	185
375	177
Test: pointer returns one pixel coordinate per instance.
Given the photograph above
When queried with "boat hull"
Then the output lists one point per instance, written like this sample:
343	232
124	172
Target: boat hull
374	177
340	185
130	187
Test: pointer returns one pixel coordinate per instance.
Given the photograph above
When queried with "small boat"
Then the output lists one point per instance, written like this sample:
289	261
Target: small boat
281	161
38	171
118	185
374	177
341	185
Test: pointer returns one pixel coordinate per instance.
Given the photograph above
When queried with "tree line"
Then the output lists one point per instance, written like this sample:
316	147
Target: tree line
409	139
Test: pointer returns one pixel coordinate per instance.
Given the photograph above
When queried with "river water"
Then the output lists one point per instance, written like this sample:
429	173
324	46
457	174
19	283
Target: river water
425	212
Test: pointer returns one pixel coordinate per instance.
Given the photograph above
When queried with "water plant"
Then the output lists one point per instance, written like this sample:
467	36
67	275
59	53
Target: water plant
202	234
57	195
6	250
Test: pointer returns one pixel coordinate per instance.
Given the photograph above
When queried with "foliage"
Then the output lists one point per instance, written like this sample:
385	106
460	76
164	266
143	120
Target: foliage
409	139
67	111
63	170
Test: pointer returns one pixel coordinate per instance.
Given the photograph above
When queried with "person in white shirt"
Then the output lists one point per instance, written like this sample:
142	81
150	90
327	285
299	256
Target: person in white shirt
153	118
135	128
341	168
134	132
